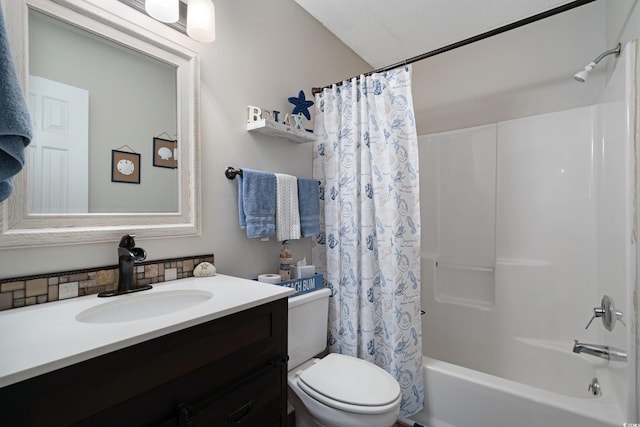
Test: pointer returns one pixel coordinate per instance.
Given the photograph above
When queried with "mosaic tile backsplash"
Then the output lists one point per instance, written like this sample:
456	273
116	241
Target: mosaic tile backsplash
30	290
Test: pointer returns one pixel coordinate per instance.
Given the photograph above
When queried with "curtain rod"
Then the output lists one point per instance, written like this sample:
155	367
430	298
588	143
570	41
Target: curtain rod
491	33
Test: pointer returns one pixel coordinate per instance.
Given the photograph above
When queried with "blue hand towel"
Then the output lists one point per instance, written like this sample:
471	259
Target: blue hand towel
257	203
15	121
309	205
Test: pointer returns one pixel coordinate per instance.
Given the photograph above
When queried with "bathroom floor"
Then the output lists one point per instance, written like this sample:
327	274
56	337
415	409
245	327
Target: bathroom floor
292	423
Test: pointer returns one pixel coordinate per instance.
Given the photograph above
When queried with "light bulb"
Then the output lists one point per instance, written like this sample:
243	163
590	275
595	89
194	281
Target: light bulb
201	20
163	10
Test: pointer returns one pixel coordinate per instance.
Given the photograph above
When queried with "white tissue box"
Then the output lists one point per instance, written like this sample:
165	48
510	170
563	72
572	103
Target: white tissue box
299	272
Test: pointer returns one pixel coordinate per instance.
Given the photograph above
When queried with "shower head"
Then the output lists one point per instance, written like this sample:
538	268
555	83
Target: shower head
581	76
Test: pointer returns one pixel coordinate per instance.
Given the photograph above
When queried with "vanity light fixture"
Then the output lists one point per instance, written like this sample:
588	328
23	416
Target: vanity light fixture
197	19
163	10
201	20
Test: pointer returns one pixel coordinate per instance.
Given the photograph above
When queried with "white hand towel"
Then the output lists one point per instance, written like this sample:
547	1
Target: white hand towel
287	213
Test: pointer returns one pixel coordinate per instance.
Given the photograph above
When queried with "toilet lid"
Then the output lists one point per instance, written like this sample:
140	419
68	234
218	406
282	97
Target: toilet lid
350	380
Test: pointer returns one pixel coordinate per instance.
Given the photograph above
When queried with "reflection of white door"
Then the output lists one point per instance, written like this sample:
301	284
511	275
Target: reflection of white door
59	151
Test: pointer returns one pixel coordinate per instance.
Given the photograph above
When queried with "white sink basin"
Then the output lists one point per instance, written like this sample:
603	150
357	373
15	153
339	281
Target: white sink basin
129	307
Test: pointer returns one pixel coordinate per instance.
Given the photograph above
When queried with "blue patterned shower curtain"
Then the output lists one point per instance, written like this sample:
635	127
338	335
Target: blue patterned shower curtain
366	157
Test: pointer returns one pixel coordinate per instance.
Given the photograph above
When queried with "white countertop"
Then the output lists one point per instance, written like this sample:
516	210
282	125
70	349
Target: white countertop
38	339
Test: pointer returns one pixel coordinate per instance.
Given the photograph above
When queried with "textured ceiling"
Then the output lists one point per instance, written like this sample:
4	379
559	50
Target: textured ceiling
384	32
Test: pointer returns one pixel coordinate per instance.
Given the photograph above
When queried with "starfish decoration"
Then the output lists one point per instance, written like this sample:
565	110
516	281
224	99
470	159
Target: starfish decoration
301	105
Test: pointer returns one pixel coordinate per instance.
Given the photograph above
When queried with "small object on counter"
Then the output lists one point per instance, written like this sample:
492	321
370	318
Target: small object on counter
269	278
286	257
204	269
302	271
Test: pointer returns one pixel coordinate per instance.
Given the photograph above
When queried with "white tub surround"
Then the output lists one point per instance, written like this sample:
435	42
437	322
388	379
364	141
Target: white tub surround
530	223
40	339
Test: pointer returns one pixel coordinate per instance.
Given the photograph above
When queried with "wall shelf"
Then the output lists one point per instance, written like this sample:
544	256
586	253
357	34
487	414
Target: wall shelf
269	127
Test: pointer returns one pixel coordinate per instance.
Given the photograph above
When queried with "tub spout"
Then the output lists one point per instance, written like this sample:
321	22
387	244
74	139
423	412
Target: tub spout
601	351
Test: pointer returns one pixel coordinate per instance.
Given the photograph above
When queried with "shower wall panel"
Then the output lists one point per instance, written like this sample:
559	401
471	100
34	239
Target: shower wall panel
509	217
547	211
465	211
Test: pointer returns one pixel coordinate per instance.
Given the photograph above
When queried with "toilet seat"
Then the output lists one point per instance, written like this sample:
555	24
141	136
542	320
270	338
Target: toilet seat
350	384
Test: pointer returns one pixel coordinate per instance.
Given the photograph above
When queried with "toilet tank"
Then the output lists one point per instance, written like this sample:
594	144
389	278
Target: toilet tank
308	316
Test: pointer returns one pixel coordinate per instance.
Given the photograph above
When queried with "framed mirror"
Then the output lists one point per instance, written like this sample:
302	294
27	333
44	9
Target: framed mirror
107	81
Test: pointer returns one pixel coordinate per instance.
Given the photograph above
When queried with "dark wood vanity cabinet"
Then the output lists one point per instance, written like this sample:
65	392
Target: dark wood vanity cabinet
227	372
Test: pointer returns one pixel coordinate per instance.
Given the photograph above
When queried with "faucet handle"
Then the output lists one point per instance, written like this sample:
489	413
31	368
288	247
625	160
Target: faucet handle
127	241
607	311
597	312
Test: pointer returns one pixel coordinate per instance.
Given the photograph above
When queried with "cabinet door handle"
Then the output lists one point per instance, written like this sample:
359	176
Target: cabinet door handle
241	413
184	415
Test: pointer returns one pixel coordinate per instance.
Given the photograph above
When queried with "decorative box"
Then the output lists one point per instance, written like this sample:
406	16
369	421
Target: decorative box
304	285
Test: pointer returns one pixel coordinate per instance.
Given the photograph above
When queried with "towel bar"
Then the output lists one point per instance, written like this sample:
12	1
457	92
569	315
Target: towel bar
232	172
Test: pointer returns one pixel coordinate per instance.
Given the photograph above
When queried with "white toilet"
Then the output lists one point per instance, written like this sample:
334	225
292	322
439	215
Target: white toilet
337	390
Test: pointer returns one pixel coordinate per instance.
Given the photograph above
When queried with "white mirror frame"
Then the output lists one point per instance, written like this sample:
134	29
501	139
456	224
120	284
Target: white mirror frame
18	227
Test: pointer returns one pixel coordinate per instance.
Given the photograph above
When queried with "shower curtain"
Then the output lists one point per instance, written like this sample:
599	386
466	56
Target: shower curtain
366	157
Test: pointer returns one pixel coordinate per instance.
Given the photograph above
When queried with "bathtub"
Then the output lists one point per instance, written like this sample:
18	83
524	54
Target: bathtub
486	365
460	397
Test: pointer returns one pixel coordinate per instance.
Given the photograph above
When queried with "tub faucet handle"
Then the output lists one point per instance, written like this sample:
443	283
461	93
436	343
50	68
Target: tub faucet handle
597	312
607	311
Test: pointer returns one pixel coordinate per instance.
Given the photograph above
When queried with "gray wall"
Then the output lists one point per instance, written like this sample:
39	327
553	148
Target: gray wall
520	73
264	53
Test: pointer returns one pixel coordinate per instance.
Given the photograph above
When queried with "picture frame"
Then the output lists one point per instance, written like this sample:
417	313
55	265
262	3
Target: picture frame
125	167
165	153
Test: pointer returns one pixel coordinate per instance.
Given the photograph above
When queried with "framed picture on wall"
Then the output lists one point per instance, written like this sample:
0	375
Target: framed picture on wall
165	153
125	167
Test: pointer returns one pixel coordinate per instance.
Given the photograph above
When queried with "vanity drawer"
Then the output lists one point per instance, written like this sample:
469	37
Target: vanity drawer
254	403
195	400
